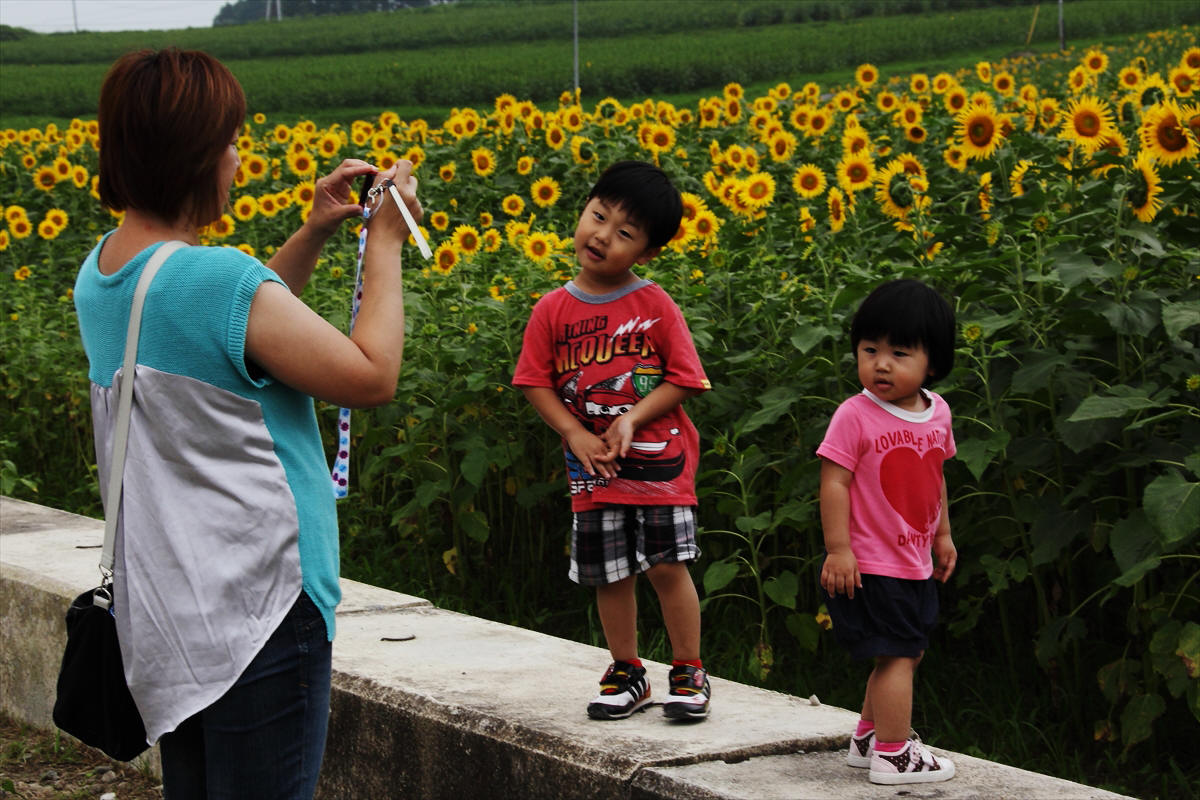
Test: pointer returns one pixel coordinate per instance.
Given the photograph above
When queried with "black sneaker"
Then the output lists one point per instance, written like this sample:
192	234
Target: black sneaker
690	693
623	690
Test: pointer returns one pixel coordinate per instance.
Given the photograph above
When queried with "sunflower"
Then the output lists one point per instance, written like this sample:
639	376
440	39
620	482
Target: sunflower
58	218
515	230
915	134
985	195
545	191
1182	80
1048	112
1129	77
845	100
329	145
979	131
572	119
758	191
512	205
445	258
808	181
245	207
819	121
855	172
1016	179
79	176
886	102
20	228
1028	94
1152	90
692	205
706	225
836	202
733	110
892	190
484	161
525	165
491	240
661	138
1145	188
1004	84
1165	134
866	75
3	240
942	82
440	220
268	206
983	71
538	247
221	227
583	150
466	239
955	157
856	141
1191	117
14	213
955	99
44	178
556	137
1095	61
22	273
48	230
710	113
1087	122
781	146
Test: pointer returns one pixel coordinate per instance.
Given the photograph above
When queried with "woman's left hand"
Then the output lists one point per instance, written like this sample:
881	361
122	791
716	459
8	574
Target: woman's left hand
334	199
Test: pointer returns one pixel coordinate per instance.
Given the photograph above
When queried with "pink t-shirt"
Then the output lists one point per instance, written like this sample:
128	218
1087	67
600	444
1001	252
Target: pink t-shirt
896	495
602	354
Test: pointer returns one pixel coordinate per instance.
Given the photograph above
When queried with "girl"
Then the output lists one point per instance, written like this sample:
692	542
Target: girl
883	509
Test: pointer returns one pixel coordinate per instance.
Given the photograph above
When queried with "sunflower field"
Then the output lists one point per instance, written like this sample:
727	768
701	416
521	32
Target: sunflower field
1054	199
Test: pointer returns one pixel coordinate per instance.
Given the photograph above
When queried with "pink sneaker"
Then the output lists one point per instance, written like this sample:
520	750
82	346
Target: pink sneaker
911	764
861	750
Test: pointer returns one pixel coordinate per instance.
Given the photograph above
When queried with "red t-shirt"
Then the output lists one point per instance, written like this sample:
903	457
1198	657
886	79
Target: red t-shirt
603	353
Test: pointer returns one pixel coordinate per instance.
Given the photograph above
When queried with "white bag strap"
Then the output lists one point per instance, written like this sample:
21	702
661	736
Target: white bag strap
116	471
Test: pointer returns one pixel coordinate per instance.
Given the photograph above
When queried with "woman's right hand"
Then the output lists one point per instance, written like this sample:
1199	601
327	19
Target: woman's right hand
387	221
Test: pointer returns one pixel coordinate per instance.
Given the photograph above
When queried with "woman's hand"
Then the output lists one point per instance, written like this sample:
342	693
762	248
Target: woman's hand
387	219
334	201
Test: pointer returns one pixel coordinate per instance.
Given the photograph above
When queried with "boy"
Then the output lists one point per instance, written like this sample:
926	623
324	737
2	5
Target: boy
607	361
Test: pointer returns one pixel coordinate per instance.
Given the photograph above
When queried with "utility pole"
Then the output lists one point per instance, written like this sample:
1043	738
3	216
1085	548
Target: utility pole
75	15
1062	34
576	33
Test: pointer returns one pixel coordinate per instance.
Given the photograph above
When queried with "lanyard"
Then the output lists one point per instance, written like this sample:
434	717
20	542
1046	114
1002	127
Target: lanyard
341	463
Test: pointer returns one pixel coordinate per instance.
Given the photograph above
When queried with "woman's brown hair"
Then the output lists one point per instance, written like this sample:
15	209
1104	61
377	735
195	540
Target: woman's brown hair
165	120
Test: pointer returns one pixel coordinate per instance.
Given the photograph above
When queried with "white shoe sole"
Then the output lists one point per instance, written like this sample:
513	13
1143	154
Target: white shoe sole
927	776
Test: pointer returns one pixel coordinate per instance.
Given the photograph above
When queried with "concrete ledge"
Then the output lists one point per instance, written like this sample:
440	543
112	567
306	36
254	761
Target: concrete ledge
471	708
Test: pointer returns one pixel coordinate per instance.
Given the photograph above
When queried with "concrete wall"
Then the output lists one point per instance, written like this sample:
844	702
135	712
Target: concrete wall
468	708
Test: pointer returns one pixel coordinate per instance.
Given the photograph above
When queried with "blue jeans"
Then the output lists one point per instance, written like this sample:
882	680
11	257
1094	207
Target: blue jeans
264	739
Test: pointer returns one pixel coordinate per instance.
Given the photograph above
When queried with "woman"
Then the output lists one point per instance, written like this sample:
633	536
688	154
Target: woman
226	573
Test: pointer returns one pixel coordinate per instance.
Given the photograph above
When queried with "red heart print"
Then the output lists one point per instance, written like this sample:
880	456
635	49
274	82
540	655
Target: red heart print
912	485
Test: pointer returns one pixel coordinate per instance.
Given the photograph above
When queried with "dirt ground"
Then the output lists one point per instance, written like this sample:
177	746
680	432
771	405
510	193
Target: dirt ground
42	765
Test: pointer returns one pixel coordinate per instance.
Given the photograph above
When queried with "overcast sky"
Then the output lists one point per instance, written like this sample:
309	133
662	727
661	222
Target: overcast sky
49	16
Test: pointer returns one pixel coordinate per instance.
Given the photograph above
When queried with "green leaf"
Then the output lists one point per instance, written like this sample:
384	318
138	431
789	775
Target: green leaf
475	525
1133	540
719	575
758	522
806	630
1131	576
997	572
977	454
1054	634
1074	267
1053	530
783	588
1146	237
1109	407
1173	503
1137	720
474	465
1129	317
775	403
1178	317
808	337
1036	372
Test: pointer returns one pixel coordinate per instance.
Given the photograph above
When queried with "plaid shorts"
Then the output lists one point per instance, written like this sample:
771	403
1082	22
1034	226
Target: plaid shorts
612	543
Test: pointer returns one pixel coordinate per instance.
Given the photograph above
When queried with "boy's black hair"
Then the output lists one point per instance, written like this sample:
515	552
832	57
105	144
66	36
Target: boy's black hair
908	313
646	194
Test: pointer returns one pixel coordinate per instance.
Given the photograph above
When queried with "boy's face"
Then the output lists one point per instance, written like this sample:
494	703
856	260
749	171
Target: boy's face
607	244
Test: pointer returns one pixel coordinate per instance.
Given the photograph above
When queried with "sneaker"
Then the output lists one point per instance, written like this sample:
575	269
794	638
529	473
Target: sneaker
623	690
690	693
911	764
861	750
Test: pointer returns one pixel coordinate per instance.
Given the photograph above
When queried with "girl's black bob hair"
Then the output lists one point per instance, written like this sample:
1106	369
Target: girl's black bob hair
646	194
908	313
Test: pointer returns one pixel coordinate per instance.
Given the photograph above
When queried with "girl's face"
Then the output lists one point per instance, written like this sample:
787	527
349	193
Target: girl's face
893	374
